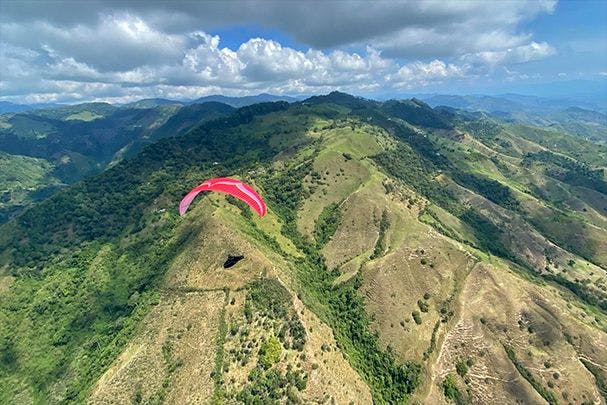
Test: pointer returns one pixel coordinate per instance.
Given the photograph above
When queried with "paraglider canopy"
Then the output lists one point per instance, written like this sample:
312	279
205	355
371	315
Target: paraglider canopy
233	187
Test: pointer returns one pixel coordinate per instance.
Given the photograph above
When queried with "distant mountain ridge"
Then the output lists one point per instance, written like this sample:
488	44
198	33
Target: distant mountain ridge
584	119
506	102
245	100
233	101
152	102
7	107
511	102
69	143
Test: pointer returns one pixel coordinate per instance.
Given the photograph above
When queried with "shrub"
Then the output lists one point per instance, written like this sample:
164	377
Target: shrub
423	305
461	367
451	391
269	352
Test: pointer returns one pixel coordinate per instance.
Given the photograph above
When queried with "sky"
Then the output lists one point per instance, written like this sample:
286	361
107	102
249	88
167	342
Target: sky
120	51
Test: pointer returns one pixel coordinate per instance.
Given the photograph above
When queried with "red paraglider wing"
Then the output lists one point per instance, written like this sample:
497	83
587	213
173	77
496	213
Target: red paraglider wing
234	187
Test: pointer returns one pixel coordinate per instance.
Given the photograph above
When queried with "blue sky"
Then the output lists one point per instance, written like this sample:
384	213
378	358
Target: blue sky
578	30
117	51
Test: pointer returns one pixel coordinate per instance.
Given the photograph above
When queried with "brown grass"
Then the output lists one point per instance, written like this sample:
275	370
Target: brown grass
187	322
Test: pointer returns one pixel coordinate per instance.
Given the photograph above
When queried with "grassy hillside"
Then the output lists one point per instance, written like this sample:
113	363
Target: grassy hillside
72	142
21	177
409	254
554	115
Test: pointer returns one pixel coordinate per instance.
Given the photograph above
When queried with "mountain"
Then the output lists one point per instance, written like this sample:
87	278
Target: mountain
192	115
245	100
584	91
564	115
152	103
81	140
511	103
8	107
78	112
409	254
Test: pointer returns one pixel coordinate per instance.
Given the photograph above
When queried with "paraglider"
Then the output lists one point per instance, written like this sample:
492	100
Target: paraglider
233	187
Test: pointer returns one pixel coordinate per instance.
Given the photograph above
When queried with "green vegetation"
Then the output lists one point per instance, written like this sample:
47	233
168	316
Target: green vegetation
23	180
88	263
83	116
269	298
22	171
599	376
451	392
326	224
417	162
461	366
340	306
384	224
171	365
269	352
584	293
268	304
582	150
488	188
417	317
92	321
486	233
547	395
432	346
270	386
405	164
72	142
569	170
219	355
417	113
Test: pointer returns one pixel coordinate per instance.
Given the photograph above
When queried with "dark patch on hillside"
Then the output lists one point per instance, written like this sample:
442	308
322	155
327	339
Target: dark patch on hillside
232	260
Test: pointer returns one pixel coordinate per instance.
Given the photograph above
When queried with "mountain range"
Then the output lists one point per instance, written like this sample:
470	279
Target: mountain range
411	253
9	107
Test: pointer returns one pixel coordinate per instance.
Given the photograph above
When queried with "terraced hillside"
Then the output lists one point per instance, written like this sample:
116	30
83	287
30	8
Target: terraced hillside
409	254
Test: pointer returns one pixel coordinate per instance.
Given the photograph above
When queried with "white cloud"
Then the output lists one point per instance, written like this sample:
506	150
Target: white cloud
116	42
519	54
421	74
148	49
331	23
258	65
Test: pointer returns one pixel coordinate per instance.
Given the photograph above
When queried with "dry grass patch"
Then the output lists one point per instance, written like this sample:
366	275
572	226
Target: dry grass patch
500	309
171	359
201	264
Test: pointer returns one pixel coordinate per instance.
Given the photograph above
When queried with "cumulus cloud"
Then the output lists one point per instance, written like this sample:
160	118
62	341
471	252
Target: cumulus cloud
114	43
132	49
418	73
334	24
519	54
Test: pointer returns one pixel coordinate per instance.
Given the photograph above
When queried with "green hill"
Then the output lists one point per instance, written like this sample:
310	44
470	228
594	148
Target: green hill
74	142
409	254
